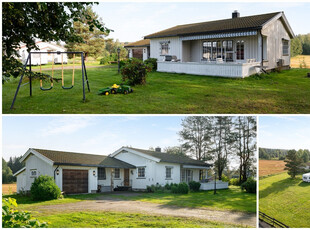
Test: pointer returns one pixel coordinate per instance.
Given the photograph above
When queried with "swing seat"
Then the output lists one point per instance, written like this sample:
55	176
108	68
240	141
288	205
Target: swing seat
67	87
45	89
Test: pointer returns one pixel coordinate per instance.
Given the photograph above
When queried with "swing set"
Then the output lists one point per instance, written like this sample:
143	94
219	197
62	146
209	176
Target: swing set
28	60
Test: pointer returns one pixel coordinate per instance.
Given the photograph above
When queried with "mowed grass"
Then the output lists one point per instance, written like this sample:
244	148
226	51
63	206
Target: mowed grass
167	93
286	199
125	220
230	199
300	60
8	189
269	167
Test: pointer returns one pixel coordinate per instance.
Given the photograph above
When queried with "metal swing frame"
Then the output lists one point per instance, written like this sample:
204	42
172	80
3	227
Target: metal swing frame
84	74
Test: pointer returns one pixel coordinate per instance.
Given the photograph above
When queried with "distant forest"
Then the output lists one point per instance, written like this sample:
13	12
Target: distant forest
280	154
11	167
300	45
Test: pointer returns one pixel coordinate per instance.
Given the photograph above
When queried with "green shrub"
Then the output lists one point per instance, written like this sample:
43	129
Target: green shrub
155	188
152	62
249	186
194	186
105	60
168	186
225	178
44	188
234	181
181	188
135	72
13	218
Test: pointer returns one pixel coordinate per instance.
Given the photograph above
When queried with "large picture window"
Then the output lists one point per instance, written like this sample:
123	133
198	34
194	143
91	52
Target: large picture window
211	50
285	47
141	172
164	48
101	174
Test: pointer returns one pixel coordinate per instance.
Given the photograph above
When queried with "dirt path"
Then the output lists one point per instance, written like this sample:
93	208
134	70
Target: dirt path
118	205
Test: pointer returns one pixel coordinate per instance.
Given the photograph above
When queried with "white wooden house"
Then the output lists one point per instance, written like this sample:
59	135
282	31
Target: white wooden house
234	47
139	49
45	58
125	168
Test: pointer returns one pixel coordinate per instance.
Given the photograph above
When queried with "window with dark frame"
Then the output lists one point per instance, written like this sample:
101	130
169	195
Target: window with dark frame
101	174
240	50
168	172
141	172
117	173
164	48
206	49
285	47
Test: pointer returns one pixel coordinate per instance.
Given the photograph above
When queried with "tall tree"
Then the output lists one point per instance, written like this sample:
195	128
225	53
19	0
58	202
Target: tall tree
177	150
195	135
93	41
296	46
7	175
24	22
15	164
293	163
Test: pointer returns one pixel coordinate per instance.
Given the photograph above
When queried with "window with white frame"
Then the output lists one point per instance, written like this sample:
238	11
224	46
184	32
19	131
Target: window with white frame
240	50
101	174
206	50
285	47
168	172
33	173
211	50
141	172
117	173
164	48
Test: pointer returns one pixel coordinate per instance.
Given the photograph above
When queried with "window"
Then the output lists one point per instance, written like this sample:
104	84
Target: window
101	174
219	49
117	174
206	49
168	172
164	48
240	50
285	47
202	174
141	172
211	50
214	54
33	173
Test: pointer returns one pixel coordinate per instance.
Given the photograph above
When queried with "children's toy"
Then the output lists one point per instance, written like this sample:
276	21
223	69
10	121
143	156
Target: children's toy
114	89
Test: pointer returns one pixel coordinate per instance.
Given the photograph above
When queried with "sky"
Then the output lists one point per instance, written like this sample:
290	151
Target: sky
87	134
284	132
133	20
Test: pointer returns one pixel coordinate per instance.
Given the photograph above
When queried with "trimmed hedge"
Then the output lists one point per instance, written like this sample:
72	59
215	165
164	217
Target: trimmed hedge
44	188
181	188
194	186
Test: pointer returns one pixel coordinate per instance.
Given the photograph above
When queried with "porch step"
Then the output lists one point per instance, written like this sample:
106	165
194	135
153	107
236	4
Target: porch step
123	188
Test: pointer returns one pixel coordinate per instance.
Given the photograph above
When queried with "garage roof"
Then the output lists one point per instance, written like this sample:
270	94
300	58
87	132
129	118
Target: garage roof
172	158
82	159
226	25
141	43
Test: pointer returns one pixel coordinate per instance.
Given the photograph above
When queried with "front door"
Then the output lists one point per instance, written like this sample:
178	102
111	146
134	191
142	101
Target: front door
126	177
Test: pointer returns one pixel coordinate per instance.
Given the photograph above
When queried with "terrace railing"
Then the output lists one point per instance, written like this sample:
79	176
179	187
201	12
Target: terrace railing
271	221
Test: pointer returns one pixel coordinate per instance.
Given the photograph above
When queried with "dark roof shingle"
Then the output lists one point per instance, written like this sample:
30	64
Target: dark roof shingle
218	26
172	158
141	43
71	158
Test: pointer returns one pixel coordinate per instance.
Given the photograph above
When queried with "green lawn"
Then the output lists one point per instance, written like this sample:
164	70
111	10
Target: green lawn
285	92
286	199
125	220
230	199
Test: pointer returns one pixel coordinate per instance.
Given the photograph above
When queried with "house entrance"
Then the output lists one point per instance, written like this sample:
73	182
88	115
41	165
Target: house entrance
126	177
187	175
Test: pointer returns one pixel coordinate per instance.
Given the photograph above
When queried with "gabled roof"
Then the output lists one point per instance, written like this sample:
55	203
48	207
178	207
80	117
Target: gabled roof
227	25
19	171
82	159
141	43
171	158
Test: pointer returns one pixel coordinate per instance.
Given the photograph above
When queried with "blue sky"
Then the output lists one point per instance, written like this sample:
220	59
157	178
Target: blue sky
284	132
133	20
87	134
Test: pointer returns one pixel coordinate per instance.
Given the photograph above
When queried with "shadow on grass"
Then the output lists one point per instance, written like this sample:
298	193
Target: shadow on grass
304	184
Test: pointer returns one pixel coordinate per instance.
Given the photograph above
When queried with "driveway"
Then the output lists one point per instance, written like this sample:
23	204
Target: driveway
109	203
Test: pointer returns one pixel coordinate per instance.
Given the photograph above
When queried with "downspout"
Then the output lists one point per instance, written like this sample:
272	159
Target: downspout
262	51
55	172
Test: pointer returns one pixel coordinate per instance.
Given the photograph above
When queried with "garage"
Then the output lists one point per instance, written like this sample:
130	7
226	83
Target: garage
74	181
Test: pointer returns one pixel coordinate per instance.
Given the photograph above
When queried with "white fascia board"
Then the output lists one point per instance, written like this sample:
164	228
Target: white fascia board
19	171
288	25
136	153
195	167
37	154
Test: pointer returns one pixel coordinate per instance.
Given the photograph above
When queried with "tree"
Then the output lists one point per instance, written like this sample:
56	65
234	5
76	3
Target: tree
25	22
195	135
15	164
293	163
177	150
296	46
7	175
93	41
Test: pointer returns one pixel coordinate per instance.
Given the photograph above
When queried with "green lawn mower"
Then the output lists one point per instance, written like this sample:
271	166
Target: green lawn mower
114	89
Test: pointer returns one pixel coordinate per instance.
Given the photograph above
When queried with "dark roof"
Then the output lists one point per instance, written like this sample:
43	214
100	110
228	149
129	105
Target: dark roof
82	159
141	43
225	25
172	158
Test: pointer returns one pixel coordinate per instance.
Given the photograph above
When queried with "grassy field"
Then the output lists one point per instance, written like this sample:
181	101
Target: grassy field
269	167
8	189
230	199
125	220
286	199
285	92
299	60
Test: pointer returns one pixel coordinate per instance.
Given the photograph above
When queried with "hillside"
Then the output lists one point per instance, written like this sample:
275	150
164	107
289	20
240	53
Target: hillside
265	153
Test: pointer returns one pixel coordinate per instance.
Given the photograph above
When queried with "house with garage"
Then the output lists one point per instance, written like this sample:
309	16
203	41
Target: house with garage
139	49
126	168
235	47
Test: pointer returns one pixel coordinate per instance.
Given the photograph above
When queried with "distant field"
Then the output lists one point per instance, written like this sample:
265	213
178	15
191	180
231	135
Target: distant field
296	61
269	167
8	189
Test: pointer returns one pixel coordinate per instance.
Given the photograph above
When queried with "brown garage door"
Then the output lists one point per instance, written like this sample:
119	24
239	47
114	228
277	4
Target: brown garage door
74	181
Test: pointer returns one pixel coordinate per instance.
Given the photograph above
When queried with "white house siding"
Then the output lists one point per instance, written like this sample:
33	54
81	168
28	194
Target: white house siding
175	47
42	167
21	181
275	32
160	176
92	180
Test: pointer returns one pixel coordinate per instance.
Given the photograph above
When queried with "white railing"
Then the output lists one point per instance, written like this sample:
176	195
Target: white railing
210	185
224	69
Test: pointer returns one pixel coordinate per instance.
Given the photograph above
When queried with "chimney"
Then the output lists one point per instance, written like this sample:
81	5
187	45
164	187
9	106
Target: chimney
236	14
158	149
